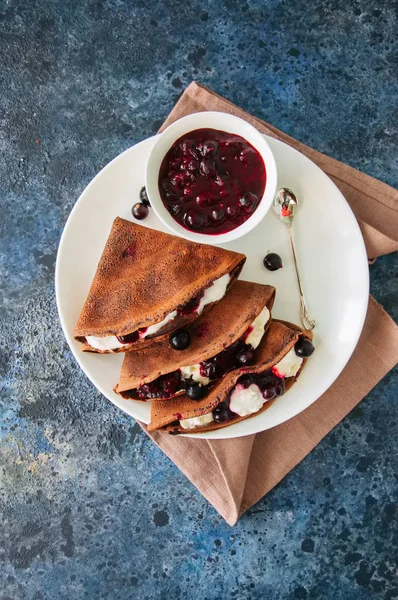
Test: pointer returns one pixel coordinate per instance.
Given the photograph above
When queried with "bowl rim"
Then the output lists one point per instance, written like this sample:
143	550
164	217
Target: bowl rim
223	122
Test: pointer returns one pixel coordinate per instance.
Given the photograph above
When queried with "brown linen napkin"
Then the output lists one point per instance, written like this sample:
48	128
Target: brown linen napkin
234	474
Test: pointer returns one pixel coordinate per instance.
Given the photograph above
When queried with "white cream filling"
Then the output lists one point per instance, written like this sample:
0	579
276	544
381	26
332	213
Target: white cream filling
257	328
197	421
194	372
246	401
214	293
104	343
155	328
112	343
289	365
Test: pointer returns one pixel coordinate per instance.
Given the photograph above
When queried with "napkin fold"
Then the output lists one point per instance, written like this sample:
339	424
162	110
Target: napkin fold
234	474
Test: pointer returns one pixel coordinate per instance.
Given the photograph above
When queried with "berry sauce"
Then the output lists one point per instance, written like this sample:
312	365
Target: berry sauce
163	387
191	306
130	338
269	383
239	354
211	181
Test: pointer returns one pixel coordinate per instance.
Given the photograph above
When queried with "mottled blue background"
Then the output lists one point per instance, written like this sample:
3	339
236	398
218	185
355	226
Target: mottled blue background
90	508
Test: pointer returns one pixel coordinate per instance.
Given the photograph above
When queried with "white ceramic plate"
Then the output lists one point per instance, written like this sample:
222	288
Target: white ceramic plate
330	250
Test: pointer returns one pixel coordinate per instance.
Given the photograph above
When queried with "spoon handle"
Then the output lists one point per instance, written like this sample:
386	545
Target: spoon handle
306	320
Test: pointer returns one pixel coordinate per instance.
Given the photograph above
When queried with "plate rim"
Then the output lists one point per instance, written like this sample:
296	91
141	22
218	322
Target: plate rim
227	432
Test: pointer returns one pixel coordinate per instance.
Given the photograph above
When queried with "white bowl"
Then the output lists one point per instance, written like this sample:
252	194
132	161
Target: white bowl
223	122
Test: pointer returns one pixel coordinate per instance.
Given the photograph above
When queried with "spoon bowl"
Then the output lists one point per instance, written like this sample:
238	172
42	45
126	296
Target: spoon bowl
285	205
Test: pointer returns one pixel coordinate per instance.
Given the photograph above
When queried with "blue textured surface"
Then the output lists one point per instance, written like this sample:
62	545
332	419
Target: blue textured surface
90	508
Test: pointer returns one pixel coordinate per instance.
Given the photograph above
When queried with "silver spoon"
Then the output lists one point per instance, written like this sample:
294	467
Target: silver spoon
285	205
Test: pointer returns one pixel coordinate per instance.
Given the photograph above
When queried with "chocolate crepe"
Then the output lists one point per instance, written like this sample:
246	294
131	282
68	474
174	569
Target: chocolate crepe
144	275
210	334
279	339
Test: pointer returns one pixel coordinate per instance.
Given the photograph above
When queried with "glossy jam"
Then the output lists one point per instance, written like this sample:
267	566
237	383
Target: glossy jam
266	381
130	338
227	360
211	181
163	387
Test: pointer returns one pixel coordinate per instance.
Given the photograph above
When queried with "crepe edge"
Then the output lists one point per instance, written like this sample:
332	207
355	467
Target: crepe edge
149	378
145	342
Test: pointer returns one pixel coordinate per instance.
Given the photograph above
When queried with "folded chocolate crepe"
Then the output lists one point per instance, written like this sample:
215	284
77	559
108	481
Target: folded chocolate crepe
221	340
242	393
149	283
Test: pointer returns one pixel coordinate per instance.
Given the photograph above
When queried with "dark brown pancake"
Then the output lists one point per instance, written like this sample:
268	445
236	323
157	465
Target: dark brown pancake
279	339
143	275
163	333
210	334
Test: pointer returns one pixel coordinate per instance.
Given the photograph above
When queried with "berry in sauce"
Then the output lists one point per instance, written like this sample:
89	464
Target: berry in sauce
245	380
222	413
202	199
194	390
163	387
246	356
194	219
217	214
236	355
269	393
130	338
175	209
208	168
248	202
208	148
232	211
